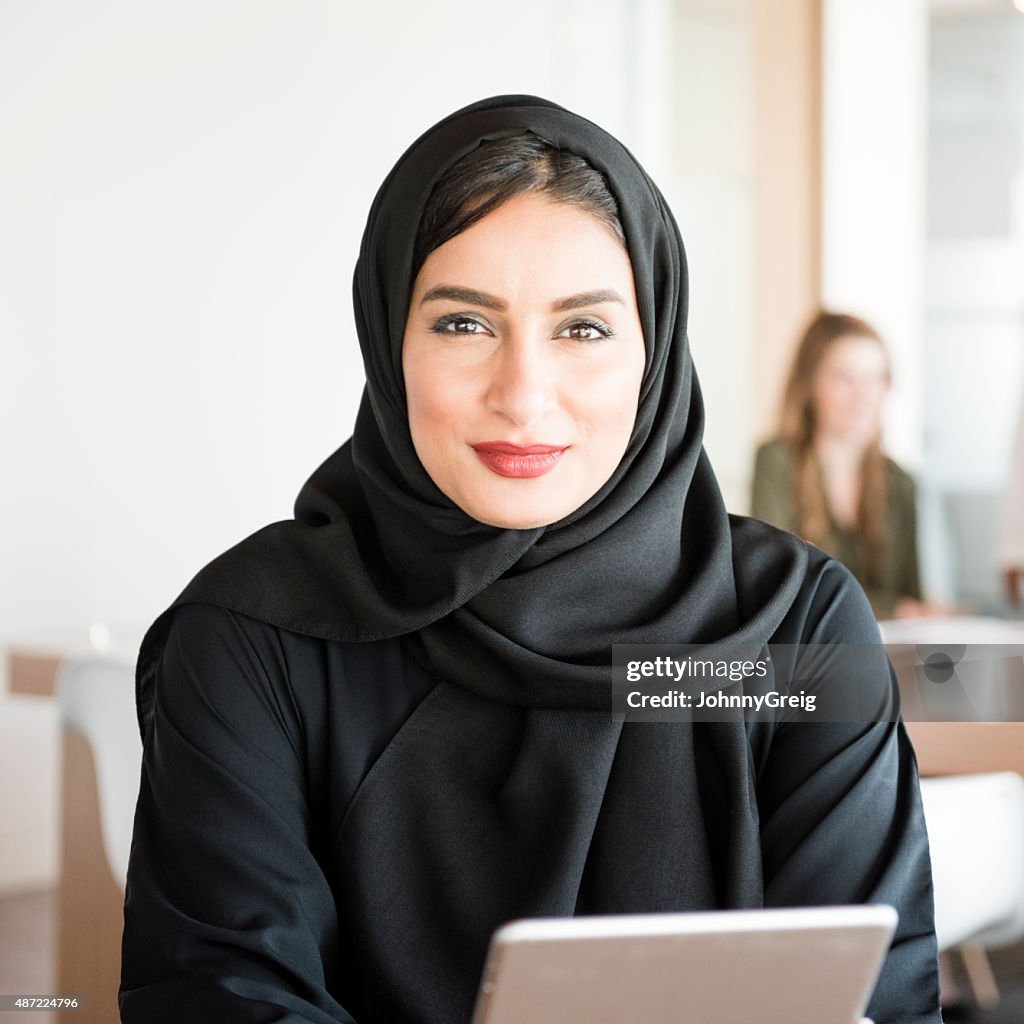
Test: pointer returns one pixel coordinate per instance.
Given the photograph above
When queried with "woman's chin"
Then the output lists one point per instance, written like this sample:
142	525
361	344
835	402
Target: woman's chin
517	519
519	512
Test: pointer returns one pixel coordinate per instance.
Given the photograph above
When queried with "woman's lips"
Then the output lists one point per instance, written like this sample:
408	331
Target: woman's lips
519	460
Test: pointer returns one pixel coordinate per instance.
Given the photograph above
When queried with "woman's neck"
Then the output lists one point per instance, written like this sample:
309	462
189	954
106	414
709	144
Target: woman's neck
841	461
840	454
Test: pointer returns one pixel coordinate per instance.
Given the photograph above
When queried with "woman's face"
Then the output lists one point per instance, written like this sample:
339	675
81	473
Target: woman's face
849	388
523	356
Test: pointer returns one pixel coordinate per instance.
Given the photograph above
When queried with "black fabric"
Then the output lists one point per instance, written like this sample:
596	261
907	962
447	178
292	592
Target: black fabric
266	881
508	790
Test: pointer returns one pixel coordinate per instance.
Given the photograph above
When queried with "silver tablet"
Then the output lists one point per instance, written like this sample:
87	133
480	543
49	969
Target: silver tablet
815	965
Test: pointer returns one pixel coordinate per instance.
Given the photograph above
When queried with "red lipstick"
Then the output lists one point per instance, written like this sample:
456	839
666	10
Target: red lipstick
519	460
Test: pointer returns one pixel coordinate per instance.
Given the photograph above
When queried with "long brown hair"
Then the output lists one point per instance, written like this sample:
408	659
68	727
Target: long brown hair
797	425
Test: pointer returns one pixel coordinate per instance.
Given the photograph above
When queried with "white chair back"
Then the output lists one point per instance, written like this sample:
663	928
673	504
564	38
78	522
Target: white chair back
97	699
976	833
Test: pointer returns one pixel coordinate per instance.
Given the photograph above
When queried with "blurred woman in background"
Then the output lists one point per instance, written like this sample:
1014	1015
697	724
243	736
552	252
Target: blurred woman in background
826	477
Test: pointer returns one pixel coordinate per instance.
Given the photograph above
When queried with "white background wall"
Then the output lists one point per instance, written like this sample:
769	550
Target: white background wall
974	376
711	187
975	269
874	117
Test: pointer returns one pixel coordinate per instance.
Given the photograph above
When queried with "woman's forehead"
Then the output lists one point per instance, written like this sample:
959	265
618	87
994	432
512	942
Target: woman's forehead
531	244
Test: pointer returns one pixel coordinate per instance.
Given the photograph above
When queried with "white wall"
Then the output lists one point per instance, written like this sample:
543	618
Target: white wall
711	189
975	294
182	190
874	132
974	374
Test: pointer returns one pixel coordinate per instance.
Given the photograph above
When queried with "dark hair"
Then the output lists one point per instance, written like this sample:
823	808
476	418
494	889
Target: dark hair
500	169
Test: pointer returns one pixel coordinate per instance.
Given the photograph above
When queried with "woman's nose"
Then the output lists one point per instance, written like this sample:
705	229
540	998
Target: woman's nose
869	391
521	388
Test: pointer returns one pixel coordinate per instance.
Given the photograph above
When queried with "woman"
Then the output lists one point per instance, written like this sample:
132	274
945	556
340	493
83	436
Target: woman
826	477
376	732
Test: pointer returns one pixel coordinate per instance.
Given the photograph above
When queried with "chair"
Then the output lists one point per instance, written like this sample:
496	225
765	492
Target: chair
102	757
973	791
976	833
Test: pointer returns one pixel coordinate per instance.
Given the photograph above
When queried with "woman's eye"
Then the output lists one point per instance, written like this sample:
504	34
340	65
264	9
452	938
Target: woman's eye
587	330
455	324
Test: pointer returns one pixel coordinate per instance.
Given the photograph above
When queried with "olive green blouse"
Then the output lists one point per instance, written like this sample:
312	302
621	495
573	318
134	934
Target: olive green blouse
773	501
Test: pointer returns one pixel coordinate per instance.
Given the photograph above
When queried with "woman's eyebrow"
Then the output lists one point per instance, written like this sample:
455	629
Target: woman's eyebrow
587	299
470	295
475	298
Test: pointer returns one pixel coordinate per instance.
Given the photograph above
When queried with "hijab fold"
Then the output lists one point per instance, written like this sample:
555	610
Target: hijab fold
512	791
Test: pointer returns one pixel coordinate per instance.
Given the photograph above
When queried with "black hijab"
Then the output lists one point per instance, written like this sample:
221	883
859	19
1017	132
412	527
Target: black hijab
524	616
511	791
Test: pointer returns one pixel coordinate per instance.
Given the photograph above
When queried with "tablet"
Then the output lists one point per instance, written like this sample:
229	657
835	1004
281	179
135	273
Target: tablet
814	965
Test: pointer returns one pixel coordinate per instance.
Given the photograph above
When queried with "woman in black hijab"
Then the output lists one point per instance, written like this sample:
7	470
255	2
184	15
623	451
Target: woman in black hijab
374	733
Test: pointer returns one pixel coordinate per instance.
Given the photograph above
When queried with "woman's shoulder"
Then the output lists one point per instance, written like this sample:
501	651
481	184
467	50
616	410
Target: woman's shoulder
901	481
832	606
210	634
829	605
223	647
230	679
778	451
204	653
828	637
200	623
